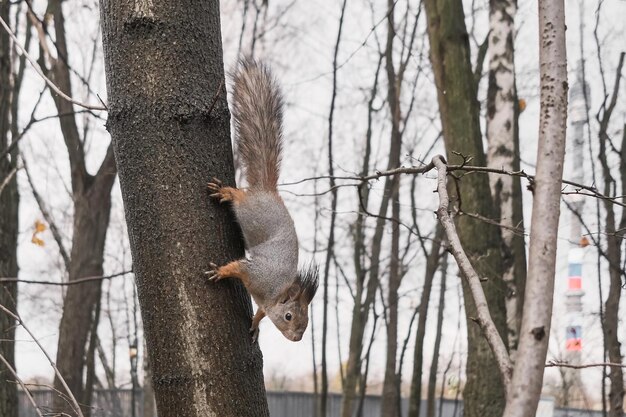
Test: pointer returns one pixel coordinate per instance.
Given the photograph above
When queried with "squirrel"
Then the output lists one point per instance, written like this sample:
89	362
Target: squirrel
270	271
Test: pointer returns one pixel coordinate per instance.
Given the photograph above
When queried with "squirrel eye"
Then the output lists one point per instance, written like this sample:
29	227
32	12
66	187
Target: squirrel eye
288	316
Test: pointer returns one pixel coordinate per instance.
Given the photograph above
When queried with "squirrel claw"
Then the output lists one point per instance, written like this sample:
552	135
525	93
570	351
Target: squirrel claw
213	274
254	332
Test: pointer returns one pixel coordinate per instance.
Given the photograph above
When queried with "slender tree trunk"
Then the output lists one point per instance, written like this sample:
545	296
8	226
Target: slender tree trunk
527	381
361	307
503	153
91	219
613	252
614	256
458	107
9	203
390	400
333	217
171	134
389	406
432	263
432	377
92	206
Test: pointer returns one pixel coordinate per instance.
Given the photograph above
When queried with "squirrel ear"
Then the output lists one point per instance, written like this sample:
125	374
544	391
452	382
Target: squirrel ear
290	293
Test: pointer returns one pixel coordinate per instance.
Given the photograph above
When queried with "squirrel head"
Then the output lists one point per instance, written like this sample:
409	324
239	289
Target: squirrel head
291	313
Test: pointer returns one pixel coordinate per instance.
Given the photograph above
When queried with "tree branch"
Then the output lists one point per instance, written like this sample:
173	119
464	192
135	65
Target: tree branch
74	282
483	318
38	70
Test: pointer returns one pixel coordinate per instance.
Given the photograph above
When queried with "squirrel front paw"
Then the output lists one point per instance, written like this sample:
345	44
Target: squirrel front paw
224	194
218	190
254	332
213	274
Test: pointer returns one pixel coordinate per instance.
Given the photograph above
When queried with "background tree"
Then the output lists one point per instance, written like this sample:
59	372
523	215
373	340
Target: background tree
9	203
503	153
171	135
91	196
614	238
450	57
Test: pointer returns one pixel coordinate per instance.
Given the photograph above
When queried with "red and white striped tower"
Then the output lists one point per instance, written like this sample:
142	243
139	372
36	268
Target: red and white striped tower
573	296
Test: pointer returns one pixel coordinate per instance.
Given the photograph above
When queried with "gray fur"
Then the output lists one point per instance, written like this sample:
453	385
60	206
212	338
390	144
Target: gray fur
272	245
258	116
281	292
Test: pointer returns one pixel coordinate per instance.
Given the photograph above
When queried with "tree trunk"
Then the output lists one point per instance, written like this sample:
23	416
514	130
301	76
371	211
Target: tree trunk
169	121
458	107
503	153
432	263
333	217
91	195
525	389
9	203
149	407
361	308
614	256
391	391
390	400
91	219
613	253
432	377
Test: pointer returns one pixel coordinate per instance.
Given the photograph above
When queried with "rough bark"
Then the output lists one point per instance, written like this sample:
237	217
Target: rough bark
171	134
503	153
459	112
9	202
149	406
91	196
432	263
527	381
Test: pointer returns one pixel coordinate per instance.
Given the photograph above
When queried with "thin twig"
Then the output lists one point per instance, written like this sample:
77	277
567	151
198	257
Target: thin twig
75	405
19	381
483	318
42	75
553	364
7	179
74	282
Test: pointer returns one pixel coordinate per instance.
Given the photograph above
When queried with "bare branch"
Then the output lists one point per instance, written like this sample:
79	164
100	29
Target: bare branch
7	179
19	381
42	75
17	318
554	364
483	318
74	282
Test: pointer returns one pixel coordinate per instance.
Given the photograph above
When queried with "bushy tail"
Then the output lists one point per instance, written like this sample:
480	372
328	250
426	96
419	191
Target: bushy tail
258	116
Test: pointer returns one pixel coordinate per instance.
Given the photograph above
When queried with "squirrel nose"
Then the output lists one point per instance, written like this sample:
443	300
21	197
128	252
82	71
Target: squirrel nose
296	337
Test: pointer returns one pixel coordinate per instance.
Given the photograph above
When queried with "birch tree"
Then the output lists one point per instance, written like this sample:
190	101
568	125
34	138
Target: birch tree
503	153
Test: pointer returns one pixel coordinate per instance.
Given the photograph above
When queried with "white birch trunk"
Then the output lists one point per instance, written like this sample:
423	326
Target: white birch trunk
501	151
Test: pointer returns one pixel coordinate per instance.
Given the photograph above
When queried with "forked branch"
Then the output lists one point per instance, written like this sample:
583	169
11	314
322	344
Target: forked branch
468	272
